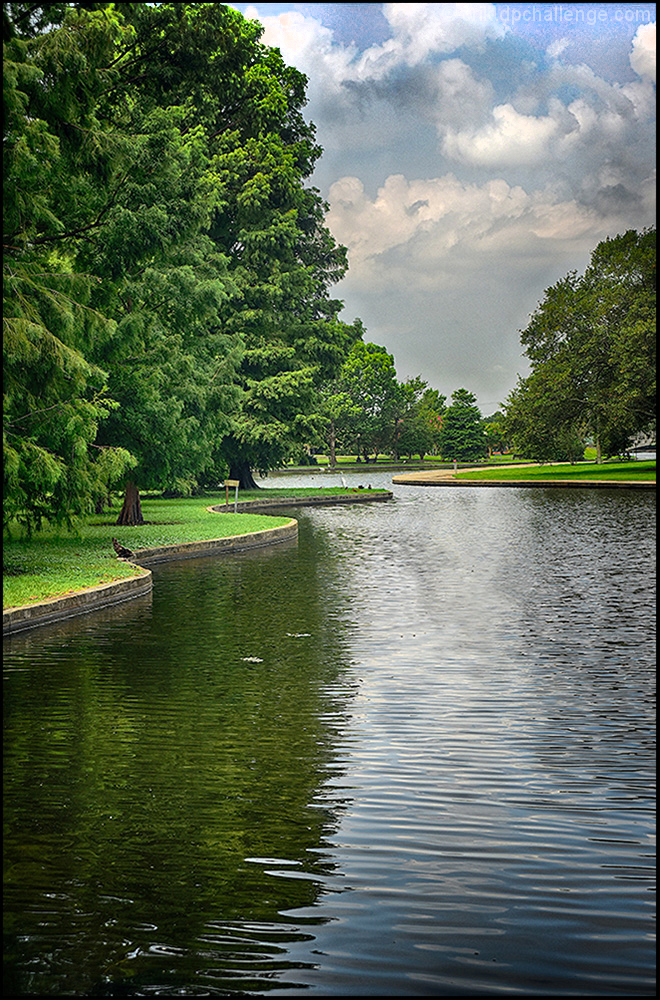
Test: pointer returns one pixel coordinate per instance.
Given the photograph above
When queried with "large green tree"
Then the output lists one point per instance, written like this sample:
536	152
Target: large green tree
264	223
56	151
591	346
364	402
418	428
157	157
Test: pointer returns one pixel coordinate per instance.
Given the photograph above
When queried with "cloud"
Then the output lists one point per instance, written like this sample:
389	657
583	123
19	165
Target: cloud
467	168
642	57
557	119
308	45
419	30
461	99
508	139
556	48
445	221
445	272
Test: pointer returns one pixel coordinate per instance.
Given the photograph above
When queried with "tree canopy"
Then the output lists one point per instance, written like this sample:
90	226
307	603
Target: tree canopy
55	150
166	270
462	436
591	346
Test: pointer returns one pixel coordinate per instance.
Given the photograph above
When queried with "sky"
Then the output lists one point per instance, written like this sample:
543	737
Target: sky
474	154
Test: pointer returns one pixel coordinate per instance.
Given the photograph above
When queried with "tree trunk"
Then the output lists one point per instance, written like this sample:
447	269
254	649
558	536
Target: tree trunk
101	503
131	511
243	472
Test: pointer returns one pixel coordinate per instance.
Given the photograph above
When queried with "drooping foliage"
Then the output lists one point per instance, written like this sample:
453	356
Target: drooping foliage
56	152
166	269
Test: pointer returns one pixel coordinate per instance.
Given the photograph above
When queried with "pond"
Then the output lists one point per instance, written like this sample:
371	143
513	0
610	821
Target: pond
412	755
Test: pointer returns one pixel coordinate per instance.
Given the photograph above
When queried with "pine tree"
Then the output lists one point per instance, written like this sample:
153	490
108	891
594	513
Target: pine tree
462	436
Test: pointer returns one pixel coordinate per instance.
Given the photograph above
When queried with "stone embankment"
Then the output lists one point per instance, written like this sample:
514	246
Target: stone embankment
108	594
268	503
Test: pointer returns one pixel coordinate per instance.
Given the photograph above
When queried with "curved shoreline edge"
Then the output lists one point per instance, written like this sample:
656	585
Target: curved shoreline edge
107	594
446	478
359	496
596	484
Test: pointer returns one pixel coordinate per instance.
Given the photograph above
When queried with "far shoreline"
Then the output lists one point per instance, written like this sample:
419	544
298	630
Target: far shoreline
460	477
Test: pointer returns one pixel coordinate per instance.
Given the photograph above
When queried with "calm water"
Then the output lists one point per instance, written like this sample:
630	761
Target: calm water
411	756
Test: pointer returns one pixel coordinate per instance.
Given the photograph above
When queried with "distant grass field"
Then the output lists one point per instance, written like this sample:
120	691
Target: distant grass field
615	471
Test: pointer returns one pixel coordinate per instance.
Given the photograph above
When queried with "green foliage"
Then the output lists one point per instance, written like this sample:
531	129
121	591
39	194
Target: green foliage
365	400
158	235
495	432
54	150
262	224
591	344
462	436
418	428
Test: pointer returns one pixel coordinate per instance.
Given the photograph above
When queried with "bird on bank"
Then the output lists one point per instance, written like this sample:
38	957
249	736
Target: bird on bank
122	552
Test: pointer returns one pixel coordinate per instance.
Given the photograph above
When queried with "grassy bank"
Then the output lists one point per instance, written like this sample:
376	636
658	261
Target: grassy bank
614	471
54	562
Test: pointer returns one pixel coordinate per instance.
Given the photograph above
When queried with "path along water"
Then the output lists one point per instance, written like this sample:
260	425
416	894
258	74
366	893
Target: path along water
411	755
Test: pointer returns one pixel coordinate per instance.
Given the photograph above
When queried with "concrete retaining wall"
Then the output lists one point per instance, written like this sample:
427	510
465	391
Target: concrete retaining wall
216	546
83	601
268	503
105	595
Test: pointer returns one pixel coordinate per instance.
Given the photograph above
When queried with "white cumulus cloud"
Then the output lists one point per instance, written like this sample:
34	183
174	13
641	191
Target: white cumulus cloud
642	57
509	138
468	166
418	31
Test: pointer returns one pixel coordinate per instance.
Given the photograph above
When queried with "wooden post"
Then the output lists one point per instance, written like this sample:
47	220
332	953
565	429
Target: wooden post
235	483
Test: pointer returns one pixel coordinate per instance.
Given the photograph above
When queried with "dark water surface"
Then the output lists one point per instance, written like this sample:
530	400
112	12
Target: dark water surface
411	756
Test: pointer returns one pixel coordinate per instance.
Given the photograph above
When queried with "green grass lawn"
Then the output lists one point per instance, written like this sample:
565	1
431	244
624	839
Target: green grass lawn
55	562
630	471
